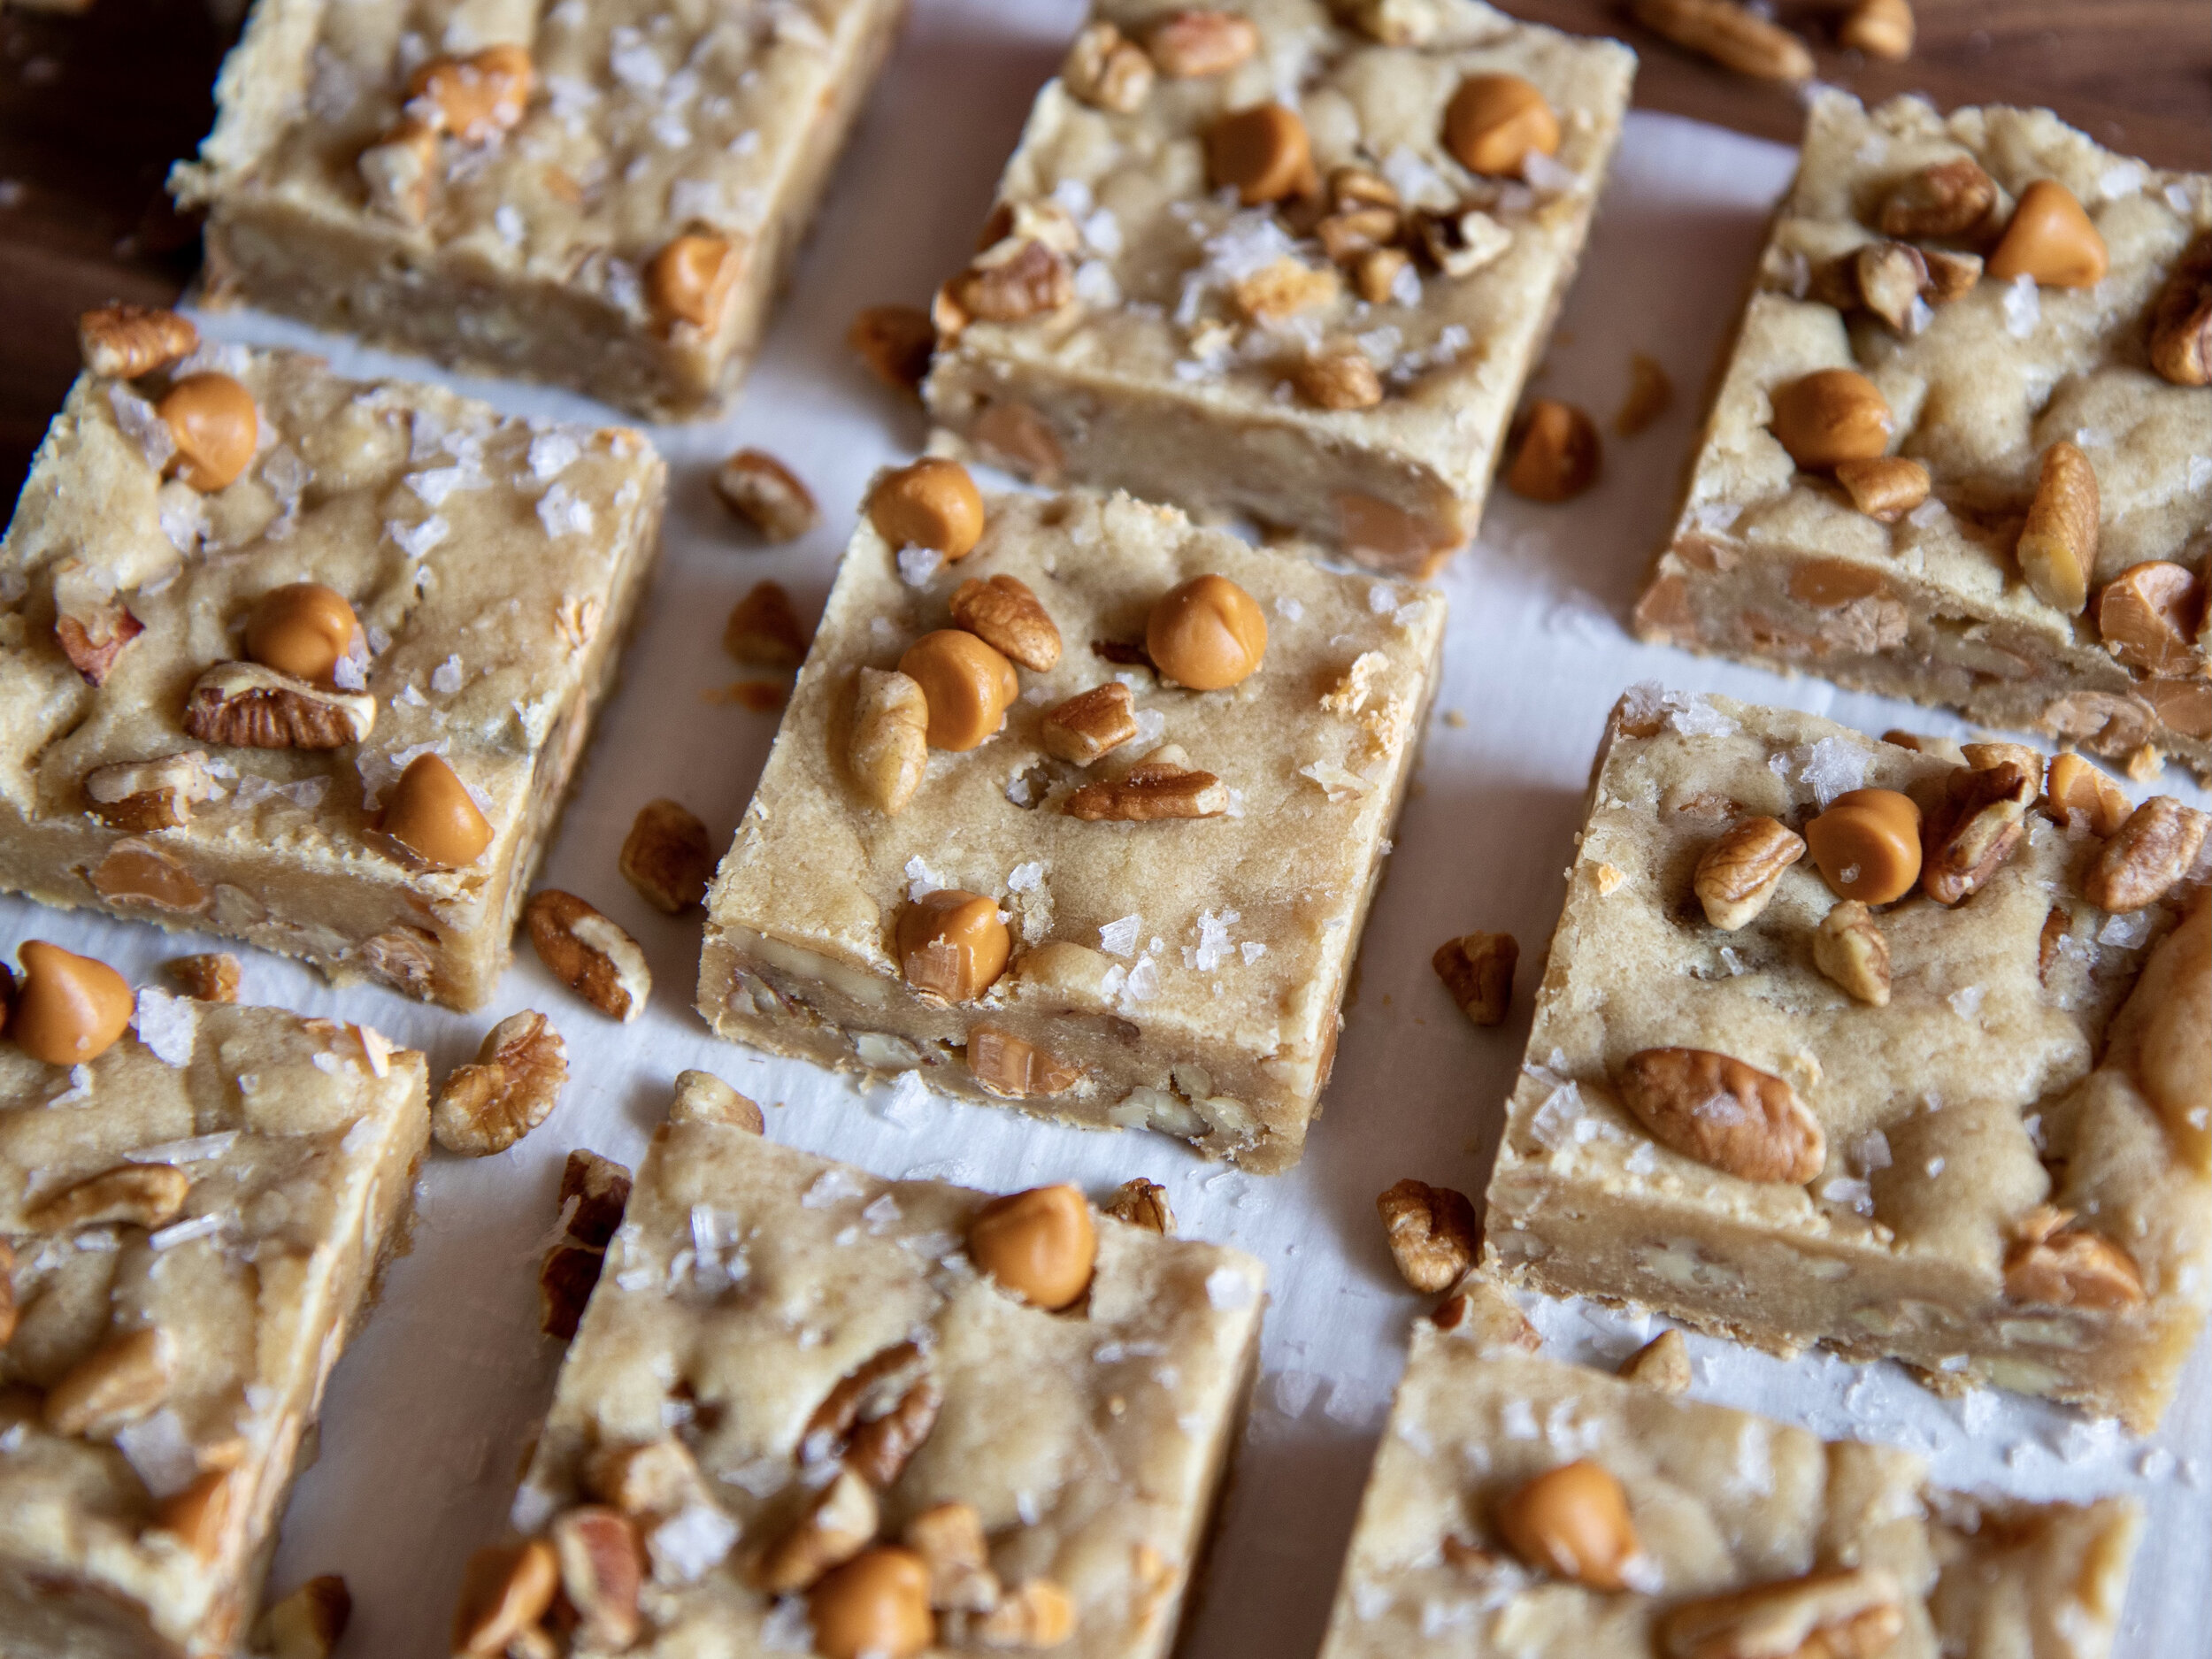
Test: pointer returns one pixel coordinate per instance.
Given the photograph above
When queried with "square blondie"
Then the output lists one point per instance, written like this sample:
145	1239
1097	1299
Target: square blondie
1959	453
1301	277
1523	1506
603	194
1841	1042
811	1410
459	584
1180	909
195	1221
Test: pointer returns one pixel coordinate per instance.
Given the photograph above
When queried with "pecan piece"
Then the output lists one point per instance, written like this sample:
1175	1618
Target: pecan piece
123	1380
1662	1363
763	630
1107	72
566	1278
889	751
2146	855
2053	1264
1032	279
837	1525
1729	35
1478	970
1002	612
1142	1203
896	342
1974	831
1089	723
209	976
588	954
122	342
2057	547
135	1195
1152	790
767	495
601	1188
248	706
1850	949
1949	198
949	1538
602	1569
1192	45
509	1091
93	640
1341	378
505	1590
703	1098
140	795
1738	874
877	1416
1857	1614
666	857
1715	1109
1433	1235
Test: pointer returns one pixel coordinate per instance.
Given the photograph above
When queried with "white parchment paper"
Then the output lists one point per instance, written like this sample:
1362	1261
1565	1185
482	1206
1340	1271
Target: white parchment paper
429	1412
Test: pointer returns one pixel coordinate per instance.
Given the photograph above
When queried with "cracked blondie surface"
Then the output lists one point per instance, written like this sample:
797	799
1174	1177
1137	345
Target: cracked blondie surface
196	1219
1778	564
493	565
1182	973
2009	1168
1188	350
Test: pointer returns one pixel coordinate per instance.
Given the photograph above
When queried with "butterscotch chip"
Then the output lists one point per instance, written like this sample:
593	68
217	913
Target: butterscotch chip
767	495
2148	617
932	503
952	944
1434	1238
1039	1246
1830	416
1261	153
1494	122
2050	240
2079	796
949	1537
689	283
69	1008
213	423
896	342
666	857
763	630
1867	845
1007	1065
1573	1522
967	685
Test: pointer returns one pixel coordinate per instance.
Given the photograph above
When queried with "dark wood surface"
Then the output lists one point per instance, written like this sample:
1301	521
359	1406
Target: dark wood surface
93	108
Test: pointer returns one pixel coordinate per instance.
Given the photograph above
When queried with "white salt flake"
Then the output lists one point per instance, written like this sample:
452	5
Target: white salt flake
1829	767
417	540
563	512
921	880
508	221
1026	878
833	1186
904	1100
141	424
1252	950
1143	983
1227	1289
553	453
691	1541
2024	307
2126	931
185	1232
158	1448
448	677
1151	725
1966	1001
918	564
168	1026
1119	938
194	1149
1288	608
1856	1195
788	1629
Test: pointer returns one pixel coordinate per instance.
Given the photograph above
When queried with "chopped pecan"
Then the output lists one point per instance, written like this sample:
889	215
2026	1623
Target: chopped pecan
1150	791
589	953
122	342
1478	971
208	977
307	1624
1089	723
124	1379
1854	1614
767	495
877	1415
763	630
1004	613
1849	948
1032	280
2146	855
1107	72
2052	1264
1662	1364
889	751
1974	831
566	1278
509	1091
1142	1203
135	1195
666	857
1433	1235
601	1188
2148	616
1948	198
837	1525
1729	34
93	640
602	1569
1040	1614
896	342
703	1098
141	796
1733	1117
248	706
2181	320
1737	876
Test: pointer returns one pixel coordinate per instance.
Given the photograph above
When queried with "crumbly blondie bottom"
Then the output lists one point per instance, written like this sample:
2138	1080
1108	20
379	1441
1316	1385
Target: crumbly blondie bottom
1182	973
605	194
1745	1535
195	1218
1342	360
794	1377
1938	592
2000	1175
493	565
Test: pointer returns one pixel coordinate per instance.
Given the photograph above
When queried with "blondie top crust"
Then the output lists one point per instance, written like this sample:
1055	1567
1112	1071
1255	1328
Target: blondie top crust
1947	589
195	1218
1748	1536
1343	359
605	194
2002	1174
764	1314
1178	962
485	570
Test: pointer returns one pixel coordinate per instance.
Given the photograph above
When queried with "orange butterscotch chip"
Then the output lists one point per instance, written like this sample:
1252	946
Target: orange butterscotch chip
967	682
1206	634
1867	845
1261	153
2051	239
1040	1245
1494	122
432	814
691	280
952	944
932	503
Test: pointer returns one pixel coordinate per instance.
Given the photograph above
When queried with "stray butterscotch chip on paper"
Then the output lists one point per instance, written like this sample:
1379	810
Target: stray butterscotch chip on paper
1118	884
1811	950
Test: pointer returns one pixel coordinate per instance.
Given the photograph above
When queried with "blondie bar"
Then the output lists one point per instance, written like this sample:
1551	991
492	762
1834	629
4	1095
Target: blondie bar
303	660
1270	261
194	1219
1522	1506
1846	1043
601	193
1102	894
808	1410
1960	453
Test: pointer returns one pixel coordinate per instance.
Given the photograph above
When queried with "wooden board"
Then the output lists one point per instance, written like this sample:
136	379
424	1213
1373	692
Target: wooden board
94	108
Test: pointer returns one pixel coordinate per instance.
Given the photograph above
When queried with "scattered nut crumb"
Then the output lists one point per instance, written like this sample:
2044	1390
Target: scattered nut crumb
703	1098
588	954
1663	1364
667	858
509	1091
767	495
764	631
1649	392
1433	1235
212	977
895	343
1478	971
1142	1203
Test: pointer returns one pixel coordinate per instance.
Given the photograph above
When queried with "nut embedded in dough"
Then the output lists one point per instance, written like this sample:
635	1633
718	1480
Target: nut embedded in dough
1724	1113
